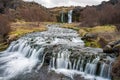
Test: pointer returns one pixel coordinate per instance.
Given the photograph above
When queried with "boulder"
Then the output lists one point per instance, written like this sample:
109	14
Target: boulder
108	49
113	43
117	47
112	47
89	37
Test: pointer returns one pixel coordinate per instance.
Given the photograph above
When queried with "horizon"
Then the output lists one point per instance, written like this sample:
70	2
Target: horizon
57	3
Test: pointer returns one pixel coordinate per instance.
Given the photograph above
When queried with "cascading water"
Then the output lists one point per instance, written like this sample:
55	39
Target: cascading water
62	16
67	52
70	16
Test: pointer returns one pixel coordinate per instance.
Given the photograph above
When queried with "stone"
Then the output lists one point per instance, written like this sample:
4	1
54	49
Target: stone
107	49
112	47
89	37
117	47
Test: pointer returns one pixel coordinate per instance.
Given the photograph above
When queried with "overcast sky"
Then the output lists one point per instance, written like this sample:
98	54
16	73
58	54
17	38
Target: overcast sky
54	3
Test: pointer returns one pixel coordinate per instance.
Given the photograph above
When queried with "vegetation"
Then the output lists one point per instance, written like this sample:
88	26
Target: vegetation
105	34
18	10
73	26
103	14
19	29
28	11
4	25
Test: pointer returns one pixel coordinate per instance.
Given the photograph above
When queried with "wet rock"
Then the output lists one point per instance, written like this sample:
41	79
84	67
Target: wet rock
78	77
89	37
112	47
117	47
108	49
43	74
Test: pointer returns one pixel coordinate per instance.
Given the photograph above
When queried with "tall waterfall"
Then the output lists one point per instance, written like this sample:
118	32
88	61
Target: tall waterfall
70	16
67	52
62	16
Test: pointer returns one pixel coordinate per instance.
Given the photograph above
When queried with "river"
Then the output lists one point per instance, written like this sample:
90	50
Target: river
58	50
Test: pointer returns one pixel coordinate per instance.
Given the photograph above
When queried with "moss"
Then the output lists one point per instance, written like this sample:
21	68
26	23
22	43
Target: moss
100	30
116	78
21	28
3	46
92	44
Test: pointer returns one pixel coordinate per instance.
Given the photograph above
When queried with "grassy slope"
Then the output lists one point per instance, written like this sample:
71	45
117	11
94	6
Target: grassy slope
106	33
21	28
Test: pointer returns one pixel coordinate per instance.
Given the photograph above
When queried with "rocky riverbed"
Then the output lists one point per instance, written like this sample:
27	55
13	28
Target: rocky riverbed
56	54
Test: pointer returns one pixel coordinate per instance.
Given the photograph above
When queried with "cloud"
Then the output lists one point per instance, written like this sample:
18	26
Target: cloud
54	3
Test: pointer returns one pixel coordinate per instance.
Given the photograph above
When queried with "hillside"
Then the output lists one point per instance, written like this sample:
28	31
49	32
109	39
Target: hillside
28	11
103	14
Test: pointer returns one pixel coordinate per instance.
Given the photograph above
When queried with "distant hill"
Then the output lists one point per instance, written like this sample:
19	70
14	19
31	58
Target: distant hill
104	14
28	11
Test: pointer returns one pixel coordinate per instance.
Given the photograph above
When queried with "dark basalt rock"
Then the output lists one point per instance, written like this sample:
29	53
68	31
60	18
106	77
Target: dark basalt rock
112	47
89	37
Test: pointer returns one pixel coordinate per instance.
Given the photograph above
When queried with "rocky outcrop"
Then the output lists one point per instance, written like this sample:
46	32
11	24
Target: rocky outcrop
89	37
112	47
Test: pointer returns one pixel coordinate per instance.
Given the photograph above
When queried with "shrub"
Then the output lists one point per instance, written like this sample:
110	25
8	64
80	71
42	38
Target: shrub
102	14
33	12
89	17
118	28
4	25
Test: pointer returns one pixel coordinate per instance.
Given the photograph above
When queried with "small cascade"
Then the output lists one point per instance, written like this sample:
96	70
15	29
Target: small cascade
70	16
90	66
67	55
62	17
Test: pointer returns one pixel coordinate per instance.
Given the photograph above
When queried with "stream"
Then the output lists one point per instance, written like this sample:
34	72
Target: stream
57	50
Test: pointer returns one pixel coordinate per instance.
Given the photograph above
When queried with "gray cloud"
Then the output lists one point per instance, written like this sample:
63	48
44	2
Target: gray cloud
54	3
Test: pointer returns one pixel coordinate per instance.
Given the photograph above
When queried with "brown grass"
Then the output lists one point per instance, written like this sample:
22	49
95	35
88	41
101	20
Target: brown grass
21	28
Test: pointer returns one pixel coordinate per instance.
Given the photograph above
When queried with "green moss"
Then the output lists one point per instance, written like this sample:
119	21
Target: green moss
92	44
3	46
75	28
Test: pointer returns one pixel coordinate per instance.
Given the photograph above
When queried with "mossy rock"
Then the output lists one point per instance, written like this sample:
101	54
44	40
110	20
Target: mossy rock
92	44
3	46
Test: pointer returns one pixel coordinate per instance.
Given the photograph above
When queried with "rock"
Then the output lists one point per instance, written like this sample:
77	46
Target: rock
112	47
113	43
89	37
11	38
103	42
108	49
117	47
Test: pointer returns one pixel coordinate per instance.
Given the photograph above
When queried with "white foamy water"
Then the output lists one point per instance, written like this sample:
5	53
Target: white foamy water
67	52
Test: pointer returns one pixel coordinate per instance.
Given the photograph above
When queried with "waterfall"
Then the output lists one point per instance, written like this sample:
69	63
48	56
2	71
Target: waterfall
62	17
89	68
70	16
66	51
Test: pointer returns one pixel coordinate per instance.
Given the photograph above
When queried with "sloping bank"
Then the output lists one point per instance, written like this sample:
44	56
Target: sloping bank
19	29
61	50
